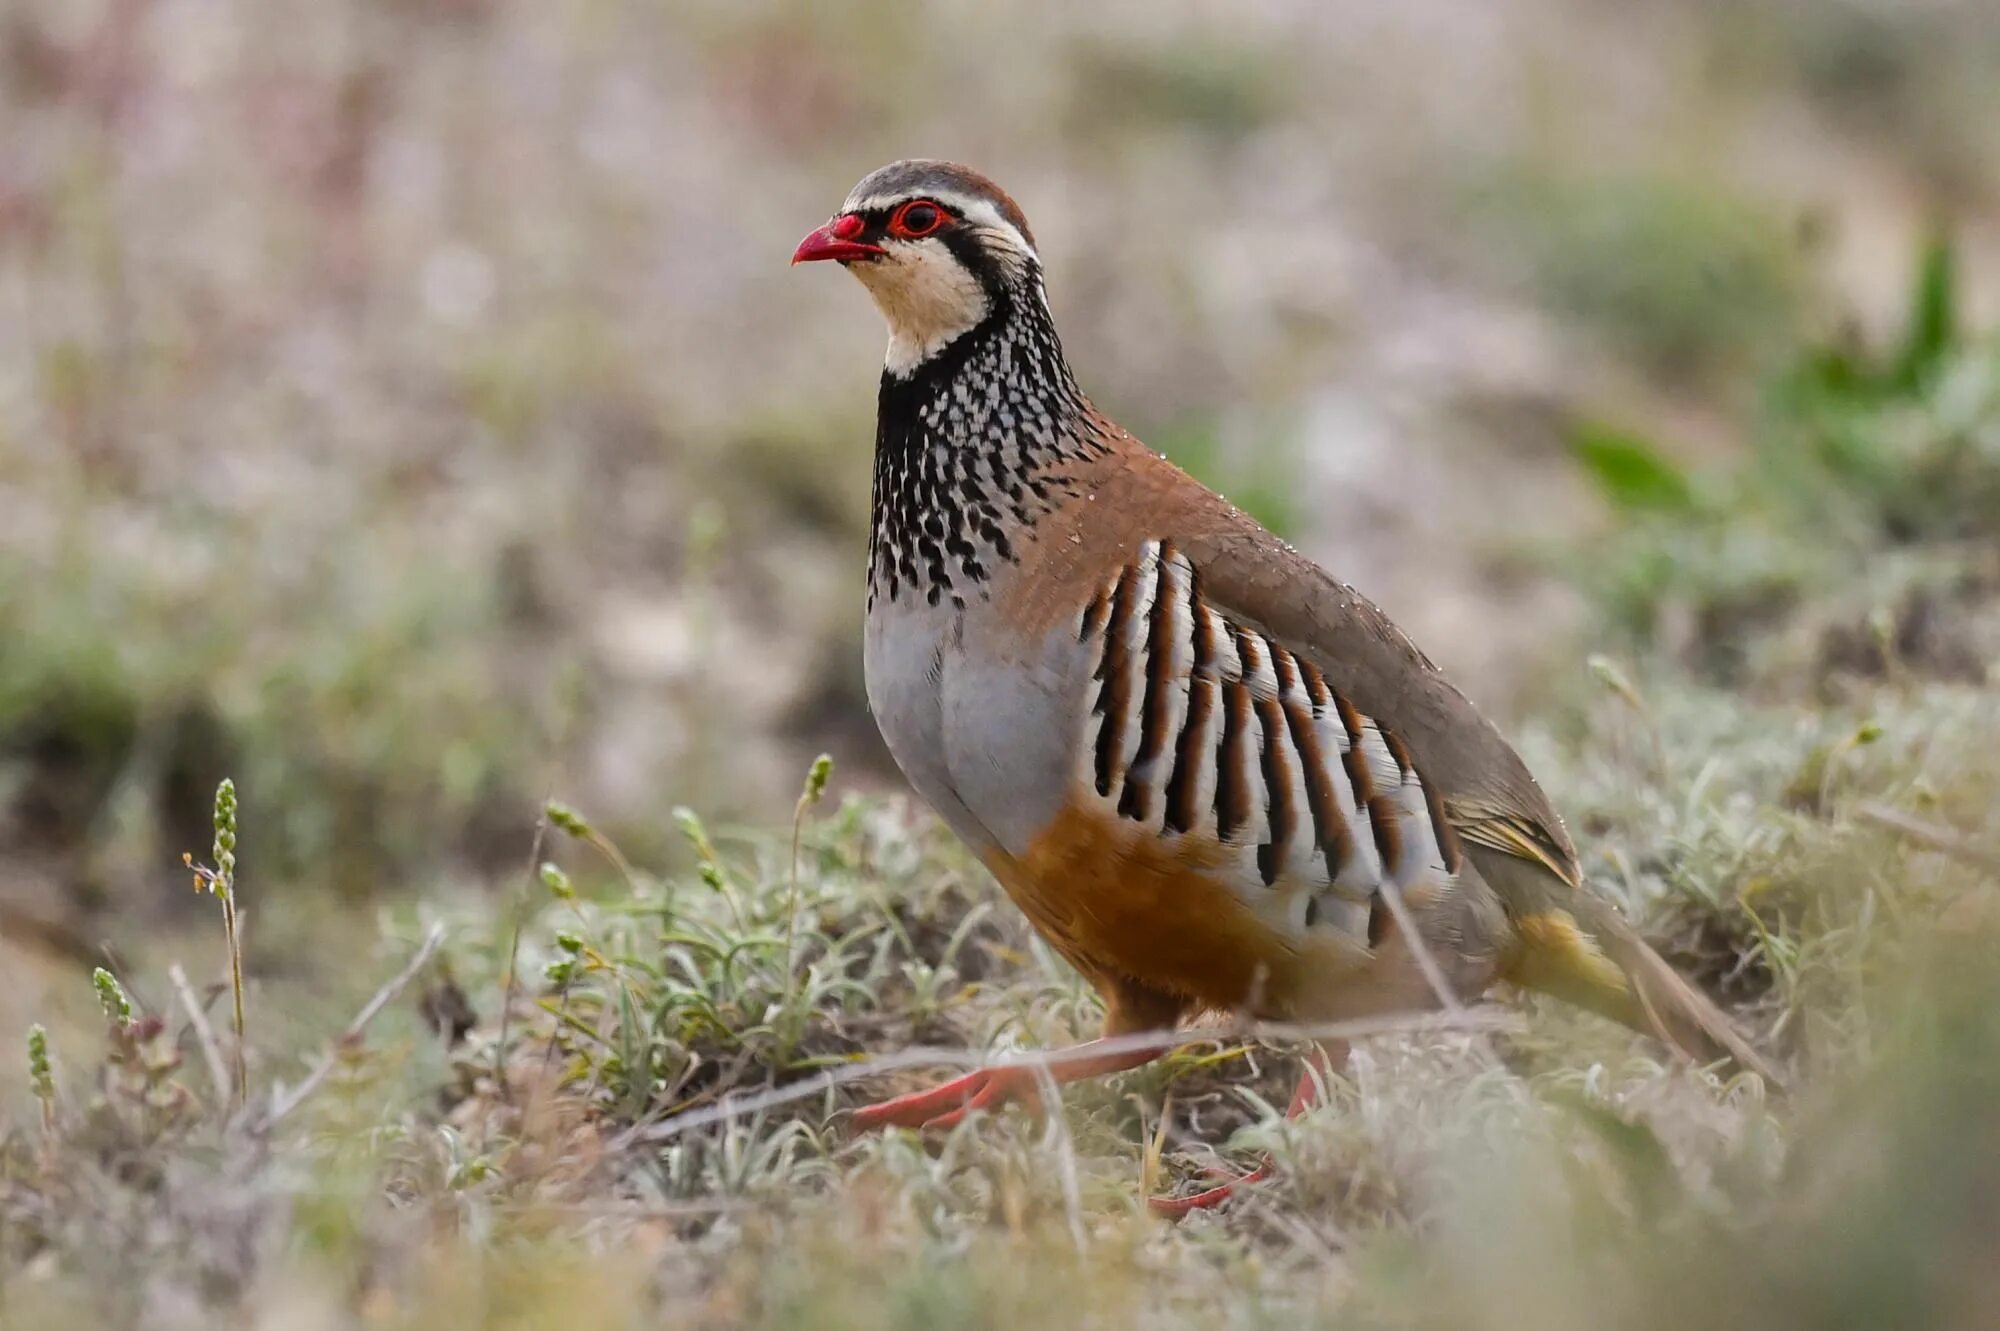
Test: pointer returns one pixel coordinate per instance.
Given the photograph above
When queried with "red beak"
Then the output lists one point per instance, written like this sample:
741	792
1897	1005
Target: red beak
836	240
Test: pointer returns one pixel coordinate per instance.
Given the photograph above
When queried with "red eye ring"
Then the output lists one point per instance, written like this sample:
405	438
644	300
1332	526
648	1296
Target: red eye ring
916	219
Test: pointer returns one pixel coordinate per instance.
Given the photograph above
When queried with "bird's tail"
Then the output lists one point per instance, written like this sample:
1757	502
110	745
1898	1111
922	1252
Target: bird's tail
1585	953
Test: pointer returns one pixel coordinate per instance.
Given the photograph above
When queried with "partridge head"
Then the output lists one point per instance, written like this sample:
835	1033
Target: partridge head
940	247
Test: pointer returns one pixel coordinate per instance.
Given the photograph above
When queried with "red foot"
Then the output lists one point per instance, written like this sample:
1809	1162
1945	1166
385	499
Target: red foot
944	1106
1215	1196
1329	1055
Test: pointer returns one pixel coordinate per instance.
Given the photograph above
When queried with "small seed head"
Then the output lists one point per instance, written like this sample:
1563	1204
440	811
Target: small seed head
817	776
111	995
40	1076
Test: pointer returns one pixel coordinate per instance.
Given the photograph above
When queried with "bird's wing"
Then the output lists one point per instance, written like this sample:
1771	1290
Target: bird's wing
1493	802
1568	940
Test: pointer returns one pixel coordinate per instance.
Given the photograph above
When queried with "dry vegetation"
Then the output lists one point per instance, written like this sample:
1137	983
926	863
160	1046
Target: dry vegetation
403	412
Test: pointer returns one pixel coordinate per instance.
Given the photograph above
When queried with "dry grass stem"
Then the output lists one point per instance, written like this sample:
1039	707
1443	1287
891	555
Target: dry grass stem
511	981
283	1104
736	1106
204	1034
1930	836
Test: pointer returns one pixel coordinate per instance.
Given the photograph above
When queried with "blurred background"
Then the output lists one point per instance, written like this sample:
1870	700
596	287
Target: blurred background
406	407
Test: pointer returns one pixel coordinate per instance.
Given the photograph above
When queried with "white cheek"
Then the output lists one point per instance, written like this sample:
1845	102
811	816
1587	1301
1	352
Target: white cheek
927	297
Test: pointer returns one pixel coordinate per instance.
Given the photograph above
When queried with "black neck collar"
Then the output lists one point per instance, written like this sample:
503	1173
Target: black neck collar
966	446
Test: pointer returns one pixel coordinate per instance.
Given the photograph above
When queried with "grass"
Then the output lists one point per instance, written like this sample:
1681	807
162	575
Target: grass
655	1129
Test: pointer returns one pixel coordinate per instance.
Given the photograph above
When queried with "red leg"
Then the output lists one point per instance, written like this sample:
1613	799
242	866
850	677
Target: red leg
989	1088
1325	1057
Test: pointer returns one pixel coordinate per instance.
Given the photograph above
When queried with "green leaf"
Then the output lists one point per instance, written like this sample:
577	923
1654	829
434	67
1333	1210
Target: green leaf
1631	472
1933	328
633	1050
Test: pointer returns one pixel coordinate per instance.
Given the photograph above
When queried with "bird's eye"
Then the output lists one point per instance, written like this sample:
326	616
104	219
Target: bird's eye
916	218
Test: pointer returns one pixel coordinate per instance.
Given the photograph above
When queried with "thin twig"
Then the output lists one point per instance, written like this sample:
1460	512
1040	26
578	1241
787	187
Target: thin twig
809	795
608	848
283	1105
1433	972
1943	840
1466	1019
204	1034
221	880
514	950
240	1062
124	970
1420	948
792	904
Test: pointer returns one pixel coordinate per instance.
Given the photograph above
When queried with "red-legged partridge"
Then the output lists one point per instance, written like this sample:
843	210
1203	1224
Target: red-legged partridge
1213	776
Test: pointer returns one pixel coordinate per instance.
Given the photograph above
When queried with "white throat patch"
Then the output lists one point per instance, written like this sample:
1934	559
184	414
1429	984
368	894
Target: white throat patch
927	296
